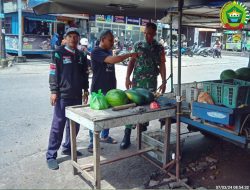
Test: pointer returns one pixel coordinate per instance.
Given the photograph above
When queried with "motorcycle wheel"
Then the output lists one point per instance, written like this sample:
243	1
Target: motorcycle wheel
204	54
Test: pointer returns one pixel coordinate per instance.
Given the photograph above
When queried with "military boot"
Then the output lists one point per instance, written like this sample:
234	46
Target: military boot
126	139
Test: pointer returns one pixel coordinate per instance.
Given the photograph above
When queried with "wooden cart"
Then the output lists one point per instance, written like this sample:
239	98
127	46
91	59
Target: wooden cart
97	120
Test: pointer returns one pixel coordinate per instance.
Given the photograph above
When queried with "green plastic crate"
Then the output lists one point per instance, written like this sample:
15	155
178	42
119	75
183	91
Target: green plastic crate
230	93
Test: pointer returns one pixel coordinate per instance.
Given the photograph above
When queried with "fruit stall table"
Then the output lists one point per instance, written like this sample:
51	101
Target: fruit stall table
97	120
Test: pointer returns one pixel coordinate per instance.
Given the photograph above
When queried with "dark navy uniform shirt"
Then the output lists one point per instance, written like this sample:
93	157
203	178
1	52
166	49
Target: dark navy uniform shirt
103	73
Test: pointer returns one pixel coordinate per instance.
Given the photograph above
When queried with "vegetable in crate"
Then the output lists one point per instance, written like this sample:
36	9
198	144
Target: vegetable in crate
147	94
135	97
116	97
243	73
98	101
228	74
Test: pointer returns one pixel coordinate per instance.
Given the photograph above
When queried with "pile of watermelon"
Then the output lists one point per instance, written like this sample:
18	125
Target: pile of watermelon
140	96
241	73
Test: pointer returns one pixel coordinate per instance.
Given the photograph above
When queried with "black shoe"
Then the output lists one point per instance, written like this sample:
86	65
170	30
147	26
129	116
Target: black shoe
126	139
52	164
68	153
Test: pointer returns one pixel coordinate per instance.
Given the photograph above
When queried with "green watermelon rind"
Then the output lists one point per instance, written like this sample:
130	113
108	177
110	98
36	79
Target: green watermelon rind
147	94
135	97
228	74
116	97
243	73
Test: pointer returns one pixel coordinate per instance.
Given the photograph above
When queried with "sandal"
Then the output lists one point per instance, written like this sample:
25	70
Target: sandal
109	140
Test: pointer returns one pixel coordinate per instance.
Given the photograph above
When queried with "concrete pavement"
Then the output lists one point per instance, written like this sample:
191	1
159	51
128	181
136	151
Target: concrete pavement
25	118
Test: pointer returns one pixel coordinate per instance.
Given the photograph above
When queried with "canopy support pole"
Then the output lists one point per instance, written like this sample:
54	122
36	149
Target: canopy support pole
20	36
178	95
171	54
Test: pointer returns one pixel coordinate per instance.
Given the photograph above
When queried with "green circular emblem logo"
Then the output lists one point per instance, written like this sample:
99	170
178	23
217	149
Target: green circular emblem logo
234	15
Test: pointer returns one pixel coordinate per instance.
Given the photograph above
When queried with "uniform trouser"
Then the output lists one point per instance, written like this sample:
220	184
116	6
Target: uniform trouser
146	86
58	125
131	126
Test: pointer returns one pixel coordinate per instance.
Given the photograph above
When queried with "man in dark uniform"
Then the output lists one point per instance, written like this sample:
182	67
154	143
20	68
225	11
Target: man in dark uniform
68	77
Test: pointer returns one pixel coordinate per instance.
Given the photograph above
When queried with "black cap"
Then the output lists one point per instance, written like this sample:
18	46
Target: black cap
71	30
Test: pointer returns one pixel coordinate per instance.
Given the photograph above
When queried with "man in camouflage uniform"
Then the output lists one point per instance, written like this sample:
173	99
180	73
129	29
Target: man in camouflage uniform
145	70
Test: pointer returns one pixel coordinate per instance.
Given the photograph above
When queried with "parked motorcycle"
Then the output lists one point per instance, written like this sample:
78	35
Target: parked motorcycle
185	51
199	50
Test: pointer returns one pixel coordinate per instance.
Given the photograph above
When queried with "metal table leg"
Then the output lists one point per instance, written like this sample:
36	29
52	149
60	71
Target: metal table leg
139	131
73	144
96	154
166	150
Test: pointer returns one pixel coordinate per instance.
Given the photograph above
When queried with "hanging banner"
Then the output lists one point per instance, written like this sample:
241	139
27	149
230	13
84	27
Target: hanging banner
234	15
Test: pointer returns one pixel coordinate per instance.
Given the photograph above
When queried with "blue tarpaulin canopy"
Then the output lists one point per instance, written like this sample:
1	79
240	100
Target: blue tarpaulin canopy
33	3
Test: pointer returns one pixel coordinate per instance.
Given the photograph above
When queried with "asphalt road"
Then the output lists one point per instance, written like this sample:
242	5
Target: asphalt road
25	119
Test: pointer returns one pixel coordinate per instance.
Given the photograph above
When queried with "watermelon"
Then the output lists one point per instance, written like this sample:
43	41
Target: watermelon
228	74
147	94
135	97
116	97
243	73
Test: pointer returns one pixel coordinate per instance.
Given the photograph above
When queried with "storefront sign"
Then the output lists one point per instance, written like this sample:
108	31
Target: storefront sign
35	42
100	18
108	18
30	42
103	18
119	19
134	21
92	18
144	22
234	15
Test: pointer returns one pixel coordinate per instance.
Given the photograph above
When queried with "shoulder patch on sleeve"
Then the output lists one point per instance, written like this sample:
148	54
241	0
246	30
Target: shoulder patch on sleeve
57	55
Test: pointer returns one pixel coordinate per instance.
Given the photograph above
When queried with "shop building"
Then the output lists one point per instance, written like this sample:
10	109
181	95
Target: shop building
127	29
37	31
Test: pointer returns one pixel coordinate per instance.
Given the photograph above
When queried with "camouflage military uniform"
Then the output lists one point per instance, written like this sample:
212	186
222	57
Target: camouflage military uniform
146	67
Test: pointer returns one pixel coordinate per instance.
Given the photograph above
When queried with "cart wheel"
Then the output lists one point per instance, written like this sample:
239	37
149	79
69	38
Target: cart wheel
246	132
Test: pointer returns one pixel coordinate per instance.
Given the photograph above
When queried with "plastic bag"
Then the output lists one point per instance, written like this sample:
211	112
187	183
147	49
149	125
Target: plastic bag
98	101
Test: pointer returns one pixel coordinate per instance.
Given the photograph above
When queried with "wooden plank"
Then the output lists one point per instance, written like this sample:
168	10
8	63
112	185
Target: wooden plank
99	115
96	154
73	144
128	155
81	120
135	119
85	174
112	121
